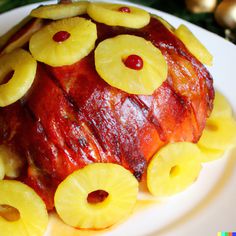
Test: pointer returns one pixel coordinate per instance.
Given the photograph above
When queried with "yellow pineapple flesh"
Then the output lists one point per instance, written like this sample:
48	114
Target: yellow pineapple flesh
221	107
173	168
33	218
118	15
60	11
209	154
116	189
219	134
110	58
24	67
194	45
64	42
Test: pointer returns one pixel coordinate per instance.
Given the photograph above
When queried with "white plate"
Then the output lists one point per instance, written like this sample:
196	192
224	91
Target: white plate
208	206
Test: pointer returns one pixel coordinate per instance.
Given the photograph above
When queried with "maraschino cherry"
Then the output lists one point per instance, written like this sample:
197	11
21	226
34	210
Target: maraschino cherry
124	9
134	62
61	36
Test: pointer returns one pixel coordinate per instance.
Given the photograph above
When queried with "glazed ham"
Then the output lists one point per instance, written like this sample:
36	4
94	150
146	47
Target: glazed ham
71	117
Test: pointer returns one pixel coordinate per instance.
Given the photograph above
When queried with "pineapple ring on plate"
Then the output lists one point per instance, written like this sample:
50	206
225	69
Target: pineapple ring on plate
173	168
139	69
219	134
60	11
194	45
24	67
210	154
221	110
97	196
64	42
33	218
118	15
221	107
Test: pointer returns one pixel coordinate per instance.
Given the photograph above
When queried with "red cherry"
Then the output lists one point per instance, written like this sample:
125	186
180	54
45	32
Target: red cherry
134	62
61	36
124	9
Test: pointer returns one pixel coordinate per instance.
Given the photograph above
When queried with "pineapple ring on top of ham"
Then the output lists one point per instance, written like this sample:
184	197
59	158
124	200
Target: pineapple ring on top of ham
20	66
60	11
63	42
146	71
118	15
194	45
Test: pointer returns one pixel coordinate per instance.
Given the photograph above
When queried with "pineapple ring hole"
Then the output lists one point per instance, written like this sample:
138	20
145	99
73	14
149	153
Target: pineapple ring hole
174	171
97	196
211	127
7	77
9	213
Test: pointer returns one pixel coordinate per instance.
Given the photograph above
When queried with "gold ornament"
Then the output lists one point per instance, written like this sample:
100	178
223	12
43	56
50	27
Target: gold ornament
225	14
201	6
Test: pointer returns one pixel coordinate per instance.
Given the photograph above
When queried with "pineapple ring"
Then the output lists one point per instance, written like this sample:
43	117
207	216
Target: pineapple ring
221	107
194	45
110	53
173	168
210	154
110	14
221	110
219	134
33	214
71	197
60	11
24	67
81	41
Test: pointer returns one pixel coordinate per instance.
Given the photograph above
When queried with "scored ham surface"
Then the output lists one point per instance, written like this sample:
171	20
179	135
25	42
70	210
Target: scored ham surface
71	117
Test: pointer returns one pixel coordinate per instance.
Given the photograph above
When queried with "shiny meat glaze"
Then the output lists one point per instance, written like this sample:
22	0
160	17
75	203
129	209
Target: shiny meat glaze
71	117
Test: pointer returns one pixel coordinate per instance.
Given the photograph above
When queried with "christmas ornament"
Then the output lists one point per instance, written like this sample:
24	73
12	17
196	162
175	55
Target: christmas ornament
225	14
201	6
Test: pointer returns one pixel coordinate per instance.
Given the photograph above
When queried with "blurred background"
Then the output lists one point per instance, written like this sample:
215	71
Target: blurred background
218	16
